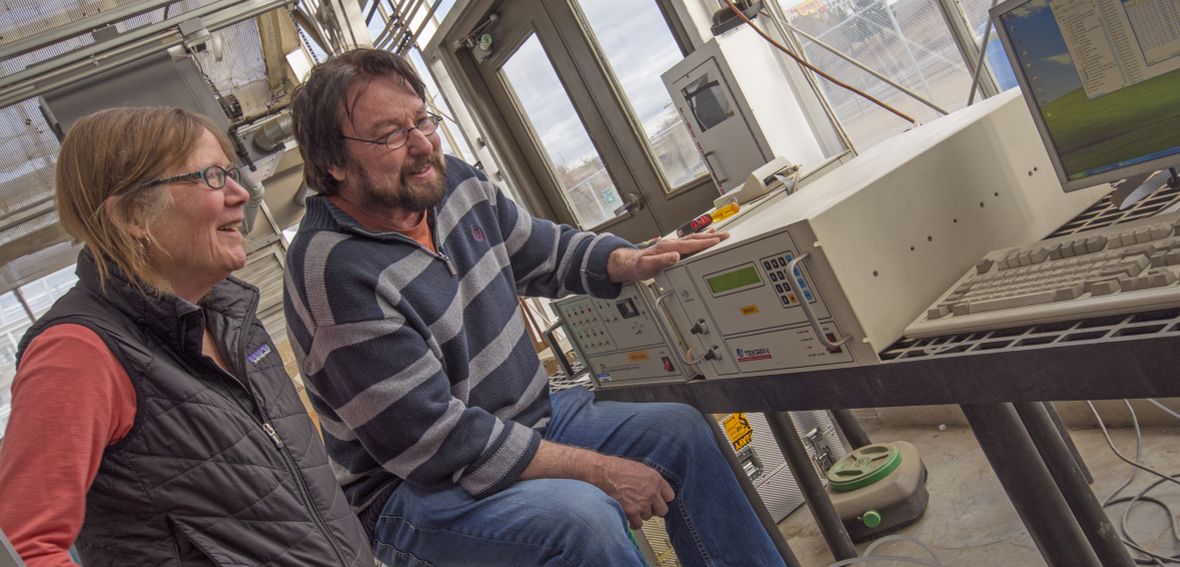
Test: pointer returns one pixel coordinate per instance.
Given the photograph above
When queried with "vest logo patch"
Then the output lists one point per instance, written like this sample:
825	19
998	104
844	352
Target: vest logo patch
478	234
259	354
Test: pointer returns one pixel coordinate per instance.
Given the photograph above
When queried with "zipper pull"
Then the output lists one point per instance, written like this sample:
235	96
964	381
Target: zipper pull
447	260
274	435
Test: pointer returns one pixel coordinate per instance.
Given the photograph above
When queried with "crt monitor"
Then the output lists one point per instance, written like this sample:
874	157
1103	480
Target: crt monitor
1102	79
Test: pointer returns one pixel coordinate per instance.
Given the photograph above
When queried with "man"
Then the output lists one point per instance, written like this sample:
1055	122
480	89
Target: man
401	304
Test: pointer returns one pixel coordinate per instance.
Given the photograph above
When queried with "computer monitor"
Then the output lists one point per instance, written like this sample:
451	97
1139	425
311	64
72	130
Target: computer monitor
1102	79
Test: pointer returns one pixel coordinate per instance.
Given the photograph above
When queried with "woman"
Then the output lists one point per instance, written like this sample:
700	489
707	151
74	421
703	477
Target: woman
153	422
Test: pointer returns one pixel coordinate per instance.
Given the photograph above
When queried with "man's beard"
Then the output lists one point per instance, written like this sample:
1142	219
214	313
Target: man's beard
408	196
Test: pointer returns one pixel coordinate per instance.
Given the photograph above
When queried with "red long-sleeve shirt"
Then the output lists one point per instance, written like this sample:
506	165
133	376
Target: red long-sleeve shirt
71	399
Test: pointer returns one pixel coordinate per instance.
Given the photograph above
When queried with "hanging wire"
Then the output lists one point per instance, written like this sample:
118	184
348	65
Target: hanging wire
733	8
1148	557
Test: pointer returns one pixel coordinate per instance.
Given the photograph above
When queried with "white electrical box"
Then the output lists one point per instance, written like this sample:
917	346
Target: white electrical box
740	107
831	275
619	340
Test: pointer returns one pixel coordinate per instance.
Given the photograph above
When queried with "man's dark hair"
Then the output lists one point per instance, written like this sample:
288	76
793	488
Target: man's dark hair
320	106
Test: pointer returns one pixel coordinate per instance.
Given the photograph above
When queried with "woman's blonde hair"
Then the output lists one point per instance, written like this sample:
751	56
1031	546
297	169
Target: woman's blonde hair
104	162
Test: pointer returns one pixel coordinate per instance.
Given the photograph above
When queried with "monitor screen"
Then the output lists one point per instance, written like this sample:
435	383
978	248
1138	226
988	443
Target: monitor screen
1102	78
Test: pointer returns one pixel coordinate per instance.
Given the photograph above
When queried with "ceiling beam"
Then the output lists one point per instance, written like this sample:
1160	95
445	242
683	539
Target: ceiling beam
35	241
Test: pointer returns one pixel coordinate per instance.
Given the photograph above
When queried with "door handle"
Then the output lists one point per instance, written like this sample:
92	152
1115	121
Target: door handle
717	173
631	202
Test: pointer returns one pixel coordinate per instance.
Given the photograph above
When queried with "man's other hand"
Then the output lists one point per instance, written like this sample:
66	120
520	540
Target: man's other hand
638	488
633	264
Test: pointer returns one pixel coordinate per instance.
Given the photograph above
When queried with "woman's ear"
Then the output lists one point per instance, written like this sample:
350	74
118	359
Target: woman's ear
126	217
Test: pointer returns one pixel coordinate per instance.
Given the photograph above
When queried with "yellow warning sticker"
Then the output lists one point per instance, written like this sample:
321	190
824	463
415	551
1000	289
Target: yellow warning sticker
737	428
749	310
637	356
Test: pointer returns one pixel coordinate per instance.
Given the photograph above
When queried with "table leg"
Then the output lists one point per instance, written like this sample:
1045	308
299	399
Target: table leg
752	495
1029	486
851	428
1065	470
1073	449
787	437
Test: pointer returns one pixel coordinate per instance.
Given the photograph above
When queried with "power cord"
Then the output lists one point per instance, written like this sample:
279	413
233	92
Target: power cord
868	557
1151	558
737	12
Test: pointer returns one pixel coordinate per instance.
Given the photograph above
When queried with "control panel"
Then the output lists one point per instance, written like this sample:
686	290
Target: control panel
619	340
742	313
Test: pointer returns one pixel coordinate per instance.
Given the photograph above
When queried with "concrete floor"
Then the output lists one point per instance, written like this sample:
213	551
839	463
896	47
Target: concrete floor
970	522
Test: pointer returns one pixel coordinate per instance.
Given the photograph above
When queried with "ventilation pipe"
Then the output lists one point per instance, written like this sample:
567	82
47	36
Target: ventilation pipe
271	135
250	213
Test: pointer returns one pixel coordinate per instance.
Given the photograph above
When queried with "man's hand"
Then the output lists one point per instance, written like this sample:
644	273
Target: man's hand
632	264
639	489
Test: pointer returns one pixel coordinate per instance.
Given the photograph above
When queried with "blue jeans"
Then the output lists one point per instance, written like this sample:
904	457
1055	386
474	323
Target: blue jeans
559	522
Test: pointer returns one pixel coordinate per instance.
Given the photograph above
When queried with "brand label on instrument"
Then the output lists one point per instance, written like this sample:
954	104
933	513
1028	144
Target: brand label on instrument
751	354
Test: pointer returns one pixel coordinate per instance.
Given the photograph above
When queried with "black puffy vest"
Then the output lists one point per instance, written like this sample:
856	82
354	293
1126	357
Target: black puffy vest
215	470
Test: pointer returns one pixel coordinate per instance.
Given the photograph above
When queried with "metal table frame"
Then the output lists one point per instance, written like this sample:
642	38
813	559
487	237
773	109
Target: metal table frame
999	394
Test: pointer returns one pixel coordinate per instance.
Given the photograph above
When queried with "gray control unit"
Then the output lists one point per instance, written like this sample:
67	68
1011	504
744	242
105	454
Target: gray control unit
618	340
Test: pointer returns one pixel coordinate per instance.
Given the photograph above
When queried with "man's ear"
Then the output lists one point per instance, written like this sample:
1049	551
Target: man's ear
339	173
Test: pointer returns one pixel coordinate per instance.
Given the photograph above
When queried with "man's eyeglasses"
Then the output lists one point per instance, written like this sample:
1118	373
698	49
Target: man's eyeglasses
398	138
214	176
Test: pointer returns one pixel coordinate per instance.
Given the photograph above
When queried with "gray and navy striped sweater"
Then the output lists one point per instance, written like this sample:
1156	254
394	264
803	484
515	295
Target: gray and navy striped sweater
419	363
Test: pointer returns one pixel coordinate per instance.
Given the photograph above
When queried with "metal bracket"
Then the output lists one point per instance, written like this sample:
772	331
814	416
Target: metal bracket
553	346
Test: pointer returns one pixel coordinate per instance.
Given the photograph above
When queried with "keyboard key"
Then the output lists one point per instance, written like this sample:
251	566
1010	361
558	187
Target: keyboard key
1161	231
1039	255
1162	277
1091	282
1012	301
1145	249
1096	244
1105	287
1069	292
937	312
1132	267
1149	279
984	266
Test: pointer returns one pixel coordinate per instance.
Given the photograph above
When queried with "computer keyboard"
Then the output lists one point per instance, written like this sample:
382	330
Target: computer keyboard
1123	268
